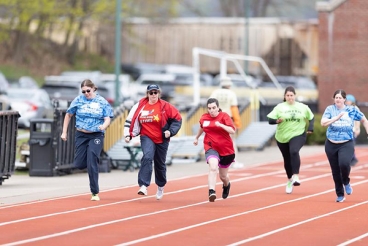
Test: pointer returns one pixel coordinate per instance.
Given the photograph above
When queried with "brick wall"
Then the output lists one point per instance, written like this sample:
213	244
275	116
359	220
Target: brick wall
343	52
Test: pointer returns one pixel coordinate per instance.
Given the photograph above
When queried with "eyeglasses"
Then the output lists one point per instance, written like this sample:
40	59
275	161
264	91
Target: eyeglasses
88	91
153	92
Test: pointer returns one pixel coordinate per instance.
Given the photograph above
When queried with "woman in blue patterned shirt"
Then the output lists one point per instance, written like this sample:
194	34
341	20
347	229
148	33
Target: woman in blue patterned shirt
93	115
339	145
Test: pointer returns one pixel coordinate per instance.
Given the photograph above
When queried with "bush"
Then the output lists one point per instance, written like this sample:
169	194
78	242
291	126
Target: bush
319	133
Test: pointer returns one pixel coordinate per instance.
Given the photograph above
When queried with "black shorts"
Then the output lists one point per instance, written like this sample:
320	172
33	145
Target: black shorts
224	161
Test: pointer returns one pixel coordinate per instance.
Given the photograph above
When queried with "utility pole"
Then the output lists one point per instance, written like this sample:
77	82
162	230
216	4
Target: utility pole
246	33
117	52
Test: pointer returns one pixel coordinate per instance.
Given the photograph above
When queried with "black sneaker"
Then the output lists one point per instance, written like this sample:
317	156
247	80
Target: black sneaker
212	195
225	191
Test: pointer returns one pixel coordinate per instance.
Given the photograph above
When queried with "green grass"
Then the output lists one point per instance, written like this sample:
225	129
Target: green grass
12	71
83	62
21	141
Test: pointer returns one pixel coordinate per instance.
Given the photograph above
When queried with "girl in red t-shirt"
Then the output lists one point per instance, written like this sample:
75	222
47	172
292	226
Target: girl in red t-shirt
218	146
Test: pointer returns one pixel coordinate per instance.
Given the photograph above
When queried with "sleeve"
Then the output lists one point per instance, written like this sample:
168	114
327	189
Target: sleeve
73	106
228	121
234	99
108	111
272	121
175	120
358	115
309	113
327	113
236	116
311	125
128	120
274	114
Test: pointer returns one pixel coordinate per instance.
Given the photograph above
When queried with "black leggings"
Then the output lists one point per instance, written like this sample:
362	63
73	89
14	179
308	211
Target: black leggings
339	156
290	153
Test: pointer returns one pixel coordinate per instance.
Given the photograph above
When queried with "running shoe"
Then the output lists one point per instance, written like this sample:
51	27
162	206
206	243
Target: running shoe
160	192
289	187
340	199
225	191
143	190
348	189
296	181
212	195
95	197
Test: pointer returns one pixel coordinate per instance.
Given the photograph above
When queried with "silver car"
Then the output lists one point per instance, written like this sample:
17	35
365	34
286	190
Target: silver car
31	103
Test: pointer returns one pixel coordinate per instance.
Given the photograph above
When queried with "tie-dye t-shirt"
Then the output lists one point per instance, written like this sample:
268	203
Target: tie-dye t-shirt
342	129
90	113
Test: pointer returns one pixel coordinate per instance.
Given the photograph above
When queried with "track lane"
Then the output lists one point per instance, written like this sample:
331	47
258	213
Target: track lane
260	180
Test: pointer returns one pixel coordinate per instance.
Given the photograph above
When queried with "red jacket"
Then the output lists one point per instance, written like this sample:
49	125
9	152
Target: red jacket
171	119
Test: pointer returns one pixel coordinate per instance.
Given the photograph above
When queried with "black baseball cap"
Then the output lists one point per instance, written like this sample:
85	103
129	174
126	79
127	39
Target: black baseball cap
153	87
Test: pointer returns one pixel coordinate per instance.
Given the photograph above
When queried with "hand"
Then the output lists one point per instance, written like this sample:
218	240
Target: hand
63	136
341	115
195	142
167	134
127	139
101	127
217	123
279	120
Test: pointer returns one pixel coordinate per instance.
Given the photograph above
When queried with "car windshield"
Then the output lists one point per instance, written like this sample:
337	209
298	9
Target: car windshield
61	91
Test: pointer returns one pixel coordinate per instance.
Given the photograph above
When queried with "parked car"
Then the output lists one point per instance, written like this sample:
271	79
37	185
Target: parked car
31	103
4	101
61	90
4	84
23	82
94	76
128	92
165	81
136	70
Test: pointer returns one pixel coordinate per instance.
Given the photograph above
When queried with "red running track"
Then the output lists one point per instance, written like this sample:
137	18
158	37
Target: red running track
257	212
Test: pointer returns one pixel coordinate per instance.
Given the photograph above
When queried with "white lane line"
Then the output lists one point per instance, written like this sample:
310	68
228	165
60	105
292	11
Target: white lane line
248	212
353	240
297	224
173	209
166	193
125	187
140	198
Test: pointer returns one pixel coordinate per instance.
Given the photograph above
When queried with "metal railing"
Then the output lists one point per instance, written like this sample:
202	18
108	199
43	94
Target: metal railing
8	143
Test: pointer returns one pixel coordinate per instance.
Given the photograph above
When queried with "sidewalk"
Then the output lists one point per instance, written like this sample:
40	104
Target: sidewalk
23	188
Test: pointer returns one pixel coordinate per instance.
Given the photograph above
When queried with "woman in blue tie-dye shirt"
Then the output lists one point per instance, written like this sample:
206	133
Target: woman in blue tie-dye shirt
339	144
93	115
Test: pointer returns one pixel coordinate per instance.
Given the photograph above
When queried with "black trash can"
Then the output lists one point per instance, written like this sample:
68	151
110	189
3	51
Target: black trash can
42	154
8	143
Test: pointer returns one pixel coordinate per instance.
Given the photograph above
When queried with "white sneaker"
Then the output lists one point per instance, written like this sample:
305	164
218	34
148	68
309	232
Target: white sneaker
289	187
160	192
296	181
95	197
143	191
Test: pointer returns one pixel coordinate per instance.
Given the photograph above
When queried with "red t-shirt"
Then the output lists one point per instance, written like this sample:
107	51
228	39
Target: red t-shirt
150	121
217	138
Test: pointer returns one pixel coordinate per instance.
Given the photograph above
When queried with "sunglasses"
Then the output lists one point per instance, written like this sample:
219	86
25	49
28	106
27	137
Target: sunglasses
88	91
153	92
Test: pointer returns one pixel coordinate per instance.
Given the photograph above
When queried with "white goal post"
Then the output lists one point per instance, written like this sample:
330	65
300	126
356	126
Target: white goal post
224	57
